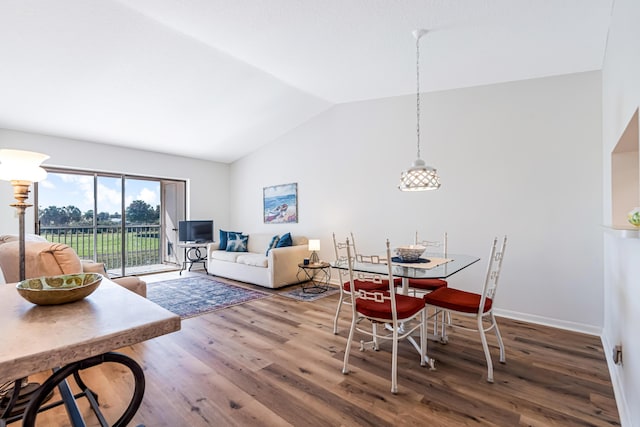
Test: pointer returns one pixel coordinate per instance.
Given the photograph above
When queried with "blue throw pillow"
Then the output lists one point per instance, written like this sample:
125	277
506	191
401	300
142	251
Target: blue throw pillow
274	241
285	240
223	239
237	242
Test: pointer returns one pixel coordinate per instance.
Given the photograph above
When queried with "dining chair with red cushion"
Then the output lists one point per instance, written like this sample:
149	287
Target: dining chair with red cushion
399	315
345	287
371	258
420	286
429	285
480	306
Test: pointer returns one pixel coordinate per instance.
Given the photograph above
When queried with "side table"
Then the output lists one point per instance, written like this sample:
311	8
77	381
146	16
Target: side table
193	254
315	275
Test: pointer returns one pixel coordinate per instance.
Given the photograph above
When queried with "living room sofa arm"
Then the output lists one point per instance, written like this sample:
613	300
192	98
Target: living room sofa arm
132	283
284	263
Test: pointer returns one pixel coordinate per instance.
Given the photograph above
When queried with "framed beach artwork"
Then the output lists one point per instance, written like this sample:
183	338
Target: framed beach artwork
280	203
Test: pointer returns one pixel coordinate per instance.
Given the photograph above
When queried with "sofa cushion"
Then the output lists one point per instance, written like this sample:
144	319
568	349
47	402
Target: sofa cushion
285	240
272	243
225	256
224	237
258	242
256	260
237	242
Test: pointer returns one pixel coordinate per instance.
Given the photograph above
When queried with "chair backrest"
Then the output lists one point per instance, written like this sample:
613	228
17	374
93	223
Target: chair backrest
434	243
359	295
353	245
493	271
342	256
346	250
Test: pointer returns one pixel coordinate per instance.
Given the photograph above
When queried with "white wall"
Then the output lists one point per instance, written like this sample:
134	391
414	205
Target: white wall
621	97
208	181
519	158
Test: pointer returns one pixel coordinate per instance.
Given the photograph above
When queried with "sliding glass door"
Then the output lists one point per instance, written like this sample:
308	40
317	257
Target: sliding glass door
116	219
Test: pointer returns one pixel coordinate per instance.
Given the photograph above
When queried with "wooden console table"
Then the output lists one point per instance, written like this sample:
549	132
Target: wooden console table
69	337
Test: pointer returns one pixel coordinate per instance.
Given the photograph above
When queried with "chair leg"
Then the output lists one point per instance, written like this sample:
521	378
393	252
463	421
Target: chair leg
485	347
374	329
423	337
443	335
394	362
335	319
345	365
435	320
503	358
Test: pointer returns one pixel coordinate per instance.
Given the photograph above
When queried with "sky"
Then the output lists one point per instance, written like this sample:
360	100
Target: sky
77	190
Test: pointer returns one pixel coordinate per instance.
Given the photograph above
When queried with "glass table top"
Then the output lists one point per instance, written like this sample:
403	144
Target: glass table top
457	262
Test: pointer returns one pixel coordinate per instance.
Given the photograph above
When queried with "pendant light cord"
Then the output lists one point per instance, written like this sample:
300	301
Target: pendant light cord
418	91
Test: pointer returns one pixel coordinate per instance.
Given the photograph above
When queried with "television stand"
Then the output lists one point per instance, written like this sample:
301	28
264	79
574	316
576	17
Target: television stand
193	254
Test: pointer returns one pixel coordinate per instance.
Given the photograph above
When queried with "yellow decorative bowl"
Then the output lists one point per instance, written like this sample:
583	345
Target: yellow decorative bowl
52	290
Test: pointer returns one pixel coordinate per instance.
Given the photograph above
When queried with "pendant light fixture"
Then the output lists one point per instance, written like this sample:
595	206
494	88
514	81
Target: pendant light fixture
419	177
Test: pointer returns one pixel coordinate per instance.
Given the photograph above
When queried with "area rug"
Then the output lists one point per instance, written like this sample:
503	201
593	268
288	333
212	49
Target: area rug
195	295
297	293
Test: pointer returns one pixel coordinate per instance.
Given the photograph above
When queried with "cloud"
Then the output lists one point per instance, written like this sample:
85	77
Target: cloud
147	195
109	199
47	184
63	189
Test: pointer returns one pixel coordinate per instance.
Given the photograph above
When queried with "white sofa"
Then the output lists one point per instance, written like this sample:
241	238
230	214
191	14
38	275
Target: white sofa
279	268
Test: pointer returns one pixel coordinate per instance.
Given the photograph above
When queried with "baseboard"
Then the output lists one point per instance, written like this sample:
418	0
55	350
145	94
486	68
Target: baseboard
614	374
547	321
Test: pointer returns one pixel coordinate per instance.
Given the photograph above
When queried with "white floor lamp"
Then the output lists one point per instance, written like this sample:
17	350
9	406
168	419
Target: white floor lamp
21	168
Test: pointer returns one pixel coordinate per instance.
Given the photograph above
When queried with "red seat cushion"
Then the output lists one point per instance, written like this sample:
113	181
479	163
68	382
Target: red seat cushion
397	281
455	299
406	307
367	285
427	284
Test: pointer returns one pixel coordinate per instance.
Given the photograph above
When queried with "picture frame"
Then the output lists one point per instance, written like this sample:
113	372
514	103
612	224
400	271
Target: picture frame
280	203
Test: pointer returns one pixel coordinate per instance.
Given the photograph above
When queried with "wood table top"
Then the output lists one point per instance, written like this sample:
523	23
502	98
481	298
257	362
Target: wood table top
36	338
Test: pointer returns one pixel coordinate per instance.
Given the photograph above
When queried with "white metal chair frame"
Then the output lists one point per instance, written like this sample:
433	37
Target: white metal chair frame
434	243
395	330
345	297
417	291
488	291
427	244
341	259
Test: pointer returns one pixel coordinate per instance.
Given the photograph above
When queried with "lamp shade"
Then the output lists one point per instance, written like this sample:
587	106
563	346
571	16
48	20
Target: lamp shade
314	244
18	165
419	177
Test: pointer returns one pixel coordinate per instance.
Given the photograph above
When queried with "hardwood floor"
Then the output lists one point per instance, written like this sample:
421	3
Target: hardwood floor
275	362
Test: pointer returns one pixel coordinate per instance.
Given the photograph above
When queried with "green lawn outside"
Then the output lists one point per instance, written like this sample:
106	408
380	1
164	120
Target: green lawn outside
140	250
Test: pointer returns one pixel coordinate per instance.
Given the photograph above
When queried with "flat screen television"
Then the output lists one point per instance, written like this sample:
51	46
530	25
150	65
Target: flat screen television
195	231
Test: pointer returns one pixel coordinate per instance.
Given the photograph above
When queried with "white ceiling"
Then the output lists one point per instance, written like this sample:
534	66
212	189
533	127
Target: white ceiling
217	79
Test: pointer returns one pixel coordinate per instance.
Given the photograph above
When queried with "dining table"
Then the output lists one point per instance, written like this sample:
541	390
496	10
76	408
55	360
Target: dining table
428	266
68	338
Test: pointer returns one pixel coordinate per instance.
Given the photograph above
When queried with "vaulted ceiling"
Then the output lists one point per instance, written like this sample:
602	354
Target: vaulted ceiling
217	79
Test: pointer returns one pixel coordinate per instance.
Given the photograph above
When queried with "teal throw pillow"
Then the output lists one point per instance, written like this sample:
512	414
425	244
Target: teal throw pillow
285	240
273	243
237	242
223	238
